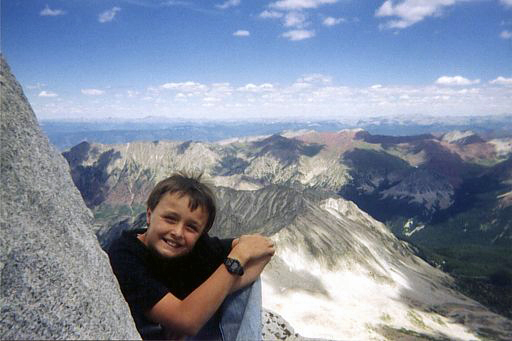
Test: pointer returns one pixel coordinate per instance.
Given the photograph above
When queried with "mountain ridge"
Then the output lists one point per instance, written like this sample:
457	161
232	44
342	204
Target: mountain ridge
325	243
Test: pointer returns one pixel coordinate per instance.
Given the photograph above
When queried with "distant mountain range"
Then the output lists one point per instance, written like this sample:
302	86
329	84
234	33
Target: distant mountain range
414	180
65	133
448	193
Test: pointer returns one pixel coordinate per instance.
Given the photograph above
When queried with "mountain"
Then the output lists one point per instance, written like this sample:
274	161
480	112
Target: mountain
448	197
338	272
67	133
56	281
425	178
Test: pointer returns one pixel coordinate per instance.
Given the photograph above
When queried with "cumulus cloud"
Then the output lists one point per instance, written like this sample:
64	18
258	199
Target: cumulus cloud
241	33
295	19
456	80
228	3
330	21
132	93
501	81
410	12
294	16
316	78
296	35
108	15
506	34
266	14
184	86
300	4
45	93
265	87
310	96
92	92
48	12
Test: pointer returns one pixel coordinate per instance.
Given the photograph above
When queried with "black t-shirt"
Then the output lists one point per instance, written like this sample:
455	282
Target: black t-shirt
145	278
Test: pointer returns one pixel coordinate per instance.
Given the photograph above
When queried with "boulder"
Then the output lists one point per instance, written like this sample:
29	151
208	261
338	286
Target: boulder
56	282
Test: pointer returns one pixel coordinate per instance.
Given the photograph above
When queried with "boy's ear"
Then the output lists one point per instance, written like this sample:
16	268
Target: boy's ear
148	216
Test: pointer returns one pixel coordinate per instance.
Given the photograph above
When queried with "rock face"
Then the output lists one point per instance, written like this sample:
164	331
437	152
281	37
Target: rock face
56	283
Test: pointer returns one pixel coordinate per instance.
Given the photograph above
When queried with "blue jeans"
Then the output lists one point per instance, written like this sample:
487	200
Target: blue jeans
238	319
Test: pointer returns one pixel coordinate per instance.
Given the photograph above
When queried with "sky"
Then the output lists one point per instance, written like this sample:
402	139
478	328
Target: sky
270	59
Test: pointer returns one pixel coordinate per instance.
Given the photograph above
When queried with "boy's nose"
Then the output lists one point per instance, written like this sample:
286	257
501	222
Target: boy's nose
177	231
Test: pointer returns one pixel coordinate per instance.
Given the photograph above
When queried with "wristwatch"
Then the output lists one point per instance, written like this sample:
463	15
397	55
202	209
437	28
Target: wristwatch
234	266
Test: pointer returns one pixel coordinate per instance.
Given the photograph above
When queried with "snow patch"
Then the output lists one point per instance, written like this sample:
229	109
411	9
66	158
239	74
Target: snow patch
503	146
354	305
415	228
456	135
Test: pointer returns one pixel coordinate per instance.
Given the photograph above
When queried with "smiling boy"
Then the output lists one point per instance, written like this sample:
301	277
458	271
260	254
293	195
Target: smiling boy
173	275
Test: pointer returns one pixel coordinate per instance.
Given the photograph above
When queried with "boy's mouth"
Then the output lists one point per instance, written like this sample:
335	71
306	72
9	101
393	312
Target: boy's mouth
172	243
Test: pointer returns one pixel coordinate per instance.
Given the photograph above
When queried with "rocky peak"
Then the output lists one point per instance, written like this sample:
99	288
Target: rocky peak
286	150
462	138
56	281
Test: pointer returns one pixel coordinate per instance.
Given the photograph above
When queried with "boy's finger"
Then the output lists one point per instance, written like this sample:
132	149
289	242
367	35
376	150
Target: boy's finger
235	242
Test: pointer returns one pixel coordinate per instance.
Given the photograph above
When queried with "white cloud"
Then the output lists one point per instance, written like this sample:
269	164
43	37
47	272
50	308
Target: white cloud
132	93
92	92
185	86
310	96
330	21
507	3
47	11
221	89
296	35
300	4
501	81
506	34
241	33
266	14
410	12
456	80
295	19
45	93
265	87
228	3
108	15
316	78
211	99
172	3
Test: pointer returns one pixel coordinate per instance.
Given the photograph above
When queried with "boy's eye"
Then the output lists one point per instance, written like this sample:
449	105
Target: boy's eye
170	219
192	227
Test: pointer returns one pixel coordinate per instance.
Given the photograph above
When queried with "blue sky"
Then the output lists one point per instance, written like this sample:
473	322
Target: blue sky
239	59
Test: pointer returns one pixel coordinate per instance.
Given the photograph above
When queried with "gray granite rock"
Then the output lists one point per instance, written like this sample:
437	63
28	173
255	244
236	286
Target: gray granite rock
56	282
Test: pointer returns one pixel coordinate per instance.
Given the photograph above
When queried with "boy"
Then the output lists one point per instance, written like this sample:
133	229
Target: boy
172	274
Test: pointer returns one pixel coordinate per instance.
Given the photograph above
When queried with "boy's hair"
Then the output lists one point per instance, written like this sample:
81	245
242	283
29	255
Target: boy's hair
200	194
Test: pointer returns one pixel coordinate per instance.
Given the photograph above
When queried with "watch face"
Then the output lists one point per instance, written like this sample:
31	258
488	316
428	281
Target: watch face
234	266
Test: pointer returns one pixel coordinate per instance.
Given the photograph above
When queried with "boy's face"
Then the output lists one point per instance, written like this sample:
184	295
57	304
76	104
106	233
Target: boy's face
173	228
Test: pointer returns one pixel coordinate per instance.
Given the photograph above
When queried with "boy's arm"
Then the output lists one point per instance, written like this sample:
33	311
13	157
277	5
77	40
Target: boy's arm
189	315
252	270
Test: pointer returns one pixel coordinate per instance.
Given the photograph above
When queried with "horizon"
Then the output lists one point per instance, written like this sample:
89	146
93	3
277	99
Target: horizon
240	60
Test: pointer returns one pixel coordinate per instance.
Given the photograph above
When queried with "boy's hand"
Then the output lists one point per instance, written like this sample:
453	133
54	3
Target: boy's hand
250	247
